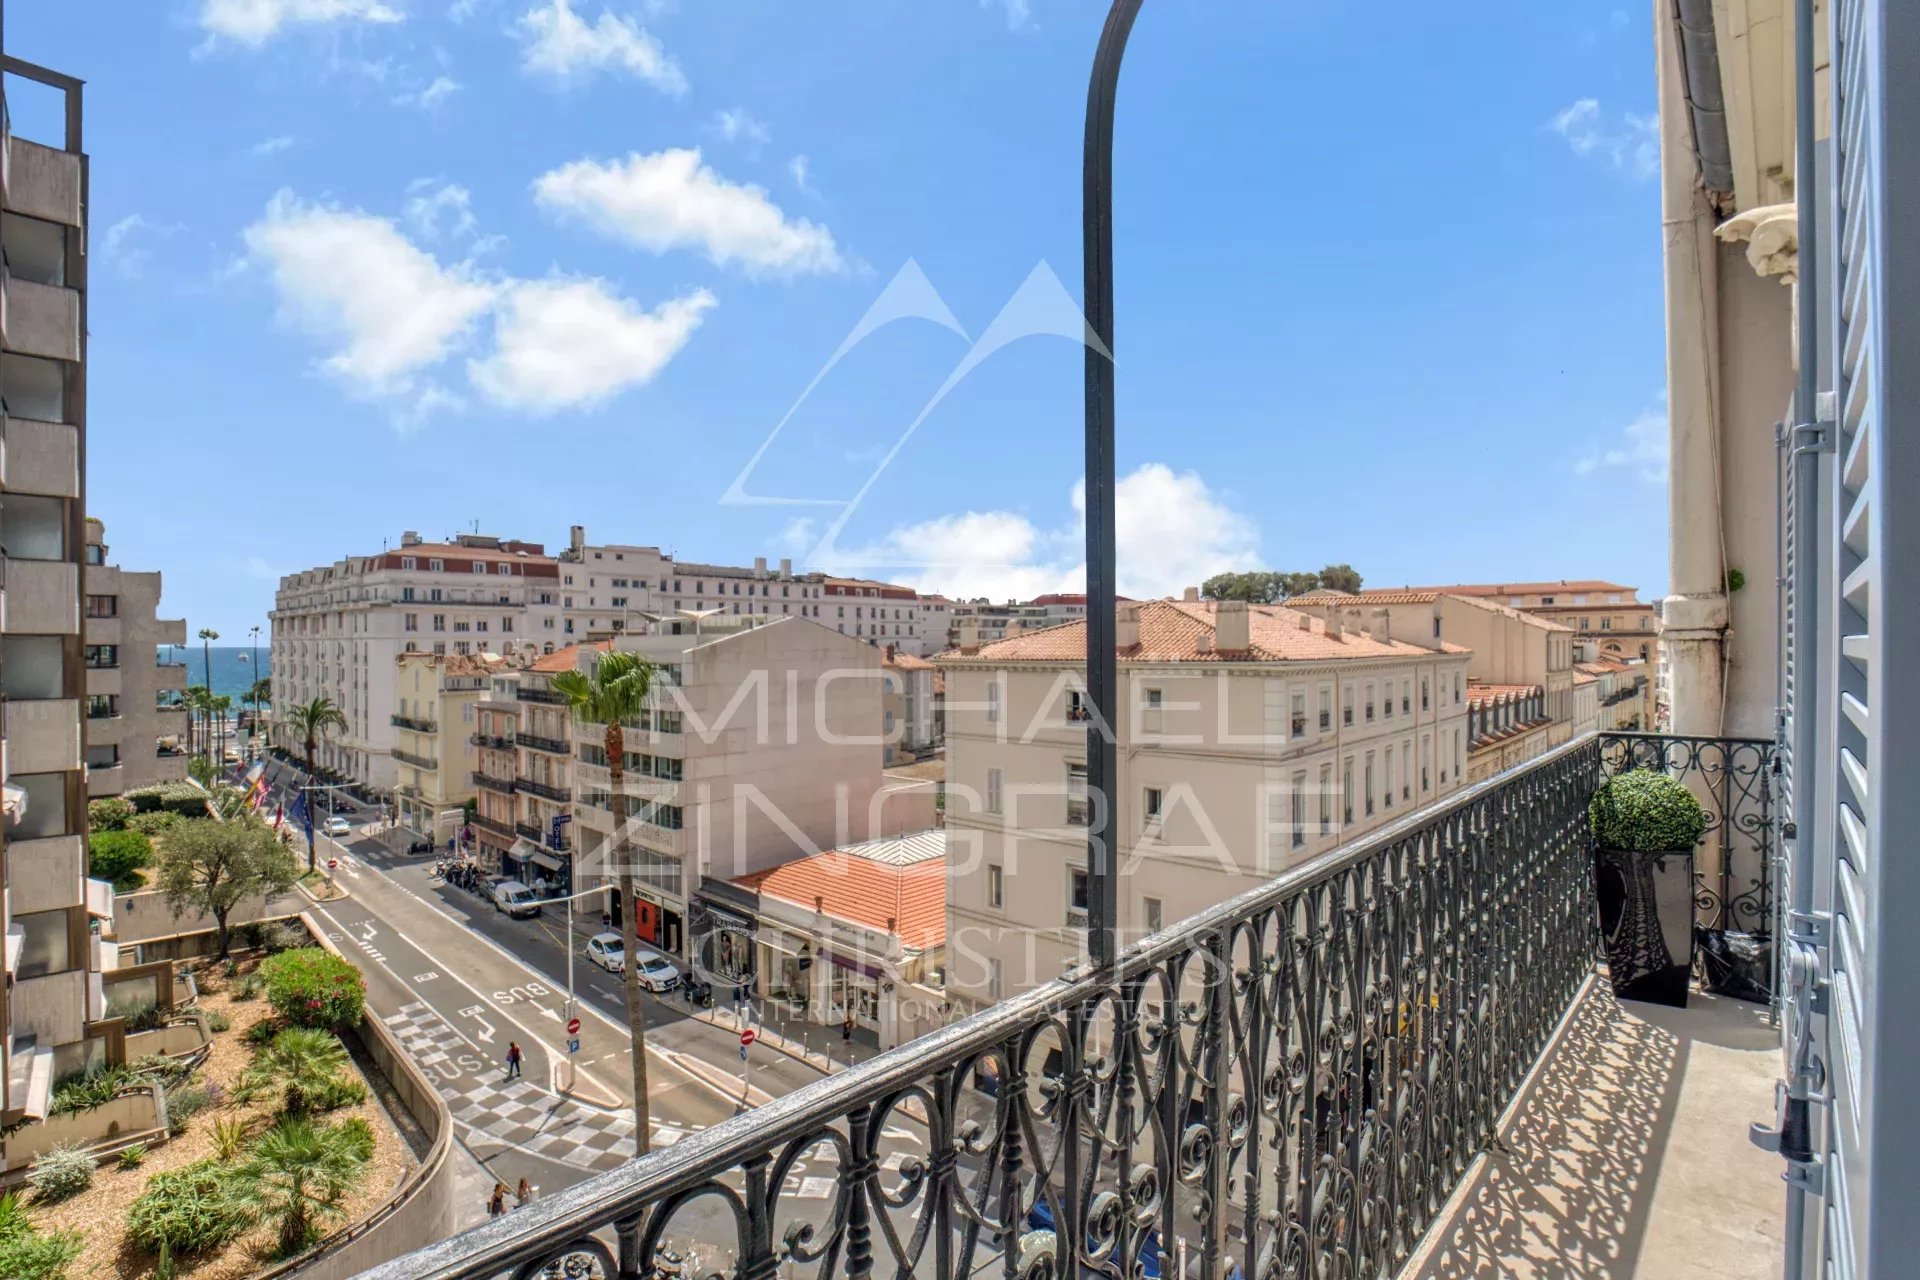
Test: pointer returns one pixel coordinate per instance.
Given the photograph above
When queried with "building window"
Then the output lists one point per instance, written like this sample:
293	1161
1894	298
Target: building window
1406	695
479	566
1606	624
1079	896
1326	707
1456	688
1423	693
996	886
1406	771
993	700
1151	803
1297	716
1386	796
409	562
102	657
1078	811
1326	799
996	979
1297	811
1152	914
994	781
1436	626
410	622
1369	702
437	566
1426	765
1346	706
439	622
103	606
1369	781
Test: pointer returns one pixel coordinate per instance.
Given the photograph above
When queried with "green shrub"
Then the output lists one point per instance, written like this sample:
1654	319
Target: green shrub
344	1092
228	1137
89	1088
118	856
13	1216
281	936
130	1157
248	987
1646	812
152	824
218	1021
34	1256
310	987
148	1017
358	1135
62	1171
264	1031
109	813
185	1103
186	1210
182	798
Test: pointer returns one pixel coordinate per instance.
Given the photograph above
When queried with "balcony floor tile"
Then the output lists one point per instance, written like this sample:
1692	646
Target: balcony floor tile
1626	1155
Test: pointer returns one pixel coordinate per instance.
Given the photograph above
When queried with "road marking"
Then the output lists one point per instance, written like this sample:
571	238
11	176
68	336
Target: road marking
428	976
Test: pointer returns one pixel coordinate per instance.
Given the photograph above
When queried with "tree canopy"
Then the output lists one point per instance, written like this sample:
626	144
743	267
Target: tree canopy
213	866
1267	586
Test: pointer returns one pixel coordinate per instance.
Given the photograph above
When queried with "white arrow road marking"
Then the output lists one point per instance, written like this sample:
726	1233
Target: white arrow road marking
486	1031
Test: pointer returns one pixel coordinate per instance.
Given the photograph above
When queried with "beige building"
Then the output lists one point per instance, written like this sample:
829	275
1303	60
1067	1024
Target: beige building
435	756
610	588
906	706
57	923
135	722
337	630
1508	725
1252	738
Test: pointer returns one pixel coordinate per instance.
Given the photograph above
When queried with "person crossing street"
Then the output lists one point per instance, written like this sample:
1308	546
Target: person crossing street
513	1059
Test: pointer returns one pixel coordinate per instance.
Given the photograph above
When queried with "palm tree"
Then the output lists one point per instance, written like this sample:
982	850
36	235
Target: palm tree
311	721
218	706
299	1175
193	698
260	694
207	636
302	1062
619	689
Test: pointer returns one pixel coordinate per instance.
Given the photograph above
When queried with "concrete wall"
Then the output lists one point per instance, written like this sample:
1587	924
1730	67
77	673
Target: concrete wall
127	1117
43	597
42	457
43	182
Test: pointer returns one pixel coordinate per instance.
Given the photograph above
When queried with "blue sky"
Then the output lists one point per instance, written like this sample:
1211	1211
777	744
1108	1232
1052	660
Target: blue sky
1388	284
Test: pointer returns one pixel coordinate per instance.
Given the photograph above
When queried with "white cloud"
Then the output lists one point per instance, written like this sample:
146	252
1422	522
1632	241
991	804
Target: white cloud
558	42
442	88
1630	145
427	204
670	200
1017	11
738	125
354	279
271	146
254	22
1642	446
123	246
802	169
1171	532
563	344
395	314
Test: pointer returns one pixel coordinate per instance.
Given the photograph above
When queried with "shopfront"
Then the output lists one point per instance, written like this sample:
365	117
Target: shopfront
657	924
786	965
724	938
851	986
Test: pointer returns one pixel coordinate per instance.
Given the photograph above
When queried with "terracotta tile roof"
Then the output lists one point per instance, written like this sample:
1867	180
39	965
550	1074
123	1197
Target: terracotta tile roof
1525	588
1584	677
906	662
567	659
1601	666
1184	631
870	884
1326	596
1479	694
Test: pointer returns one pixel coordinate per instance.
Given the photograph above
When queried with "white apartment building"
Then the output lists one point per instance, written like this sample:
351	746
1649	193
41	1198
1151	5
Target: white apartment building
135	721
337	629
58	924
906	705
435	757
612	588
764	746
882	613
1250	738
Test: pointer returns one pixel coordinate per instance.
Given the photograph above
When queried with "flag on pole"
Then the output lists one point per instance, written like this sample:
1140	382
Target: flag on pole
279	814
303	814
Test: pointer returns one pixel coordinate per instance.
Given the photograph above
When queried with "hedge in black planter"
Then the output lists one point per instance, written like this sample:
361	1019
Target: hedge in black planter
1645	826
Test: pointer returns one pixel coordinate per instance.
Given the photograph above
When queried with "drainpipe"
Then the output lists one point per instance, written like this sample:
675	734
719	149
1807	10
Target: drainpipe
1694	614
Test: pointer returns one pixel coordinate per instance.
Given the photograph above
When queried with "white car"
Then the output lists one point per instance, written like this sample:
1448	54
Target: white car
339	826
655	972
608	951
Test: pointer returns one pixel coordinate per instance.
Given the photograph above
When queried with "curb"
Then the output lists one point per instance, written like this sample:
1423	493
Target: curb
777	1041
339	894
720	1082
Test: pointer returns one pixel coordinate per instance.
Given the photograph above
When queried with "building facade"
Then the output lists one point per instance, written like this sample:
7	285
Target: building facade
1253	738
57	923
135	719
907	705
610	588
337	630
435	758
883	613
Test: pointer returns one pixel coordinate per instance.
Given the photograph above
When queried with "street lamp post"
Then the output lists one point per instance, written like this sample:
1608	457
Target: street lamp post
254	631
568	945
1096	231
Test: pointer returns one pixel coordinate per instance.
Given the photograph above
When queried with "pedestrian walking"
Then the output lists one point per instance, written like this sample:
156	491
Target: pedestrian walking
513	1059
846	1032
606	920
497	1202
523	1194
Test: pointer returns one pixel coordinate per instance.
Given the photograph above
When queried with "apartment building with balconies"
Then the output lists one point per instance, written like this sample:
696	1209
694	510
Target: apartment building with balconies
52	1003
436	756
135	720
337	630
611	588
763	745
1254	738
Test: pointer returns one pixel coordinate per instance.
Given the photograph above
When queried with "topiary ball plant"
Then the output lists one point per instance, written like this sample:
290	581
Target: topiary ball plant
1646	812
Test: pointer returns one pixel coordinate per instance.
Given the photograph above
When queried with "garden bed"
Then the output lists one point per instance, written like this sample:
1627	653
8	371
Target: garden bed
100	1212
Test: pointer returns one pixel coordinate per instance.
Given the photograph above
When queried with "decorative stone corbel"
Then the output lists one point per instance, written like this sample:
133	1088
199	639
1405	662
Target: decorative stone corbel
1772	236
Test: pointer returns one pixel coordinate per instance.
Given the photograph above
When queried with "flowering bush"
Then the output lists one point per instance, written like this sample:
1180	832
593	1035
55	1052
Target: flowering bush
310	987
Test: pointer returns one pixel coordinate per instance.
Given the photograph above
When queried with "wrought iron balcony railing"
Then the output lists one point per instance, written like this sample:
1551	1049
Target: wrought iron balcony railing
492	783
552	746
1288	1085
413	723
545	696
494	741
560	795
496	826
419	762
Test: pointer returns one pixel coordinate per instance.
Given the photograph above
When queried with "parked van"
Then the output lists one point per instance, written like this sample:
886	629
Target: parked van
515	899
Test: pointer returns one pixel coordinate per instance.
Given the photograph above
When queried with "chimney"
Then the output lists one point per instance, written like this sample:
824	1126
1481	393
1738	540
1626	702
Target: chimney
1306	623
786	568
1336	629
411	538
1382	624
1232	626
969	634
577	538
1191	595
1126	625
889	653
759	566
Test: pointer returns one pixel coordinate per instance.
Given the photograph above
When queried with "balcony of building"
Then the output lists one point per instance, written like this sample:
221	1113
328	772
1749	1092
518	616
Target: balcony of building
425	763
413	723
503	785
544	836
545	790
546	697
538	742
502	828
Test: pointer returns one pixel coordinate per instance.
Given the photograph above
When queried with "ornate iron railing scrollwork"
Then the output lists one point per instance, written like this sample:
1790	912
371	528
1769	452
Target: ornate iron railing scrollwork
1289	1085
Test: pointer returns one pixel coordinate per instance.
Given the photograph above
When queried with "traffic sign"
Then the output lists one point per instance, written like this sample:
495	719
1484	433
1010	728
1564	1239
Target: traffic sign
333	864
746	1037
573	1043
743	1053
573	1026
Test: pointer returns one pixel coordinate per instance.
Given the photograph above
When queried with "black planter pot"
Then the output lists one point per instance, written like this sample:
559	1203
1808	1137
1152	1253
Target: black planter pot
1646	922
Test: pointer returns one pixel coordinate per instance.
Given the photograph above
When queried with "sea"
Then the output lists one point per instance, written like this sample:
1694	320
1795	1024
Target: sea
232	673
